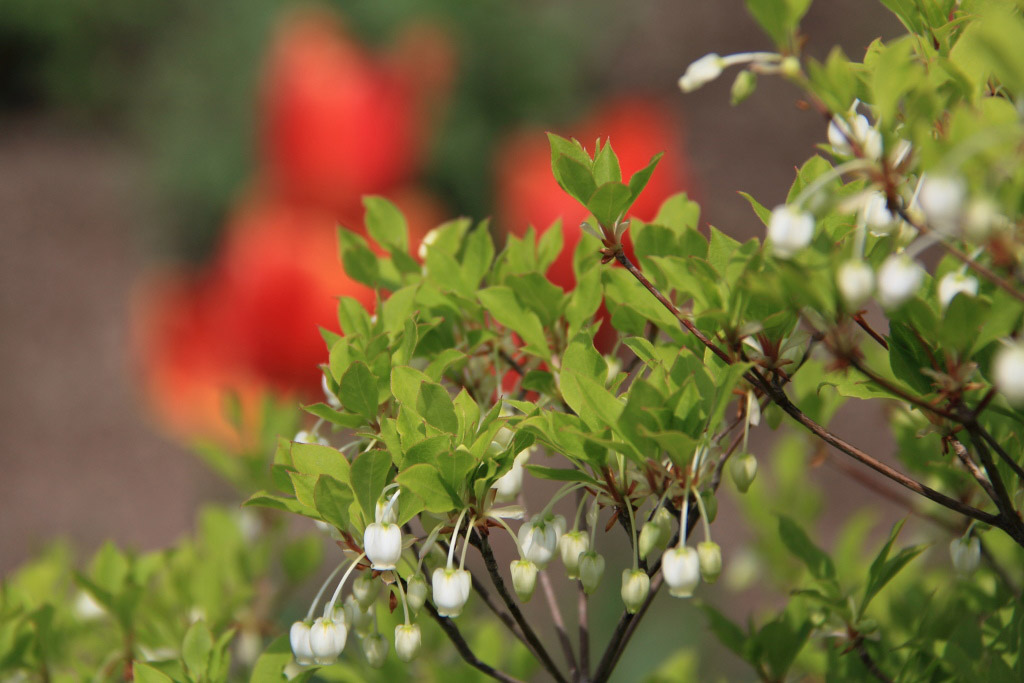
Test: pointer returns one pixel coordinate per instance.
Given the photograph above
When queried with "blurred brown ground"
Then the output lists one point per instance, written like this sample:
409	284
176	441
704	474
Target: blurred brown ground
77	457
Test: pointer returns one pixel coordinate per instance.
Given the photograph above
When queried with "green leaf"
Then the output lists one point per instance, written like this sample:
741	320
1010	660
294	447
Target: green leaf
358	259
426	482
436	407
638	181
315	459
301	557
907	355
762	213
145	673
369	475
501	303
606	165
358	391
575	178
196	648
333	500
568	148
798	543
883	569
269	668
560	474
727	632
270	500
386	224
609	203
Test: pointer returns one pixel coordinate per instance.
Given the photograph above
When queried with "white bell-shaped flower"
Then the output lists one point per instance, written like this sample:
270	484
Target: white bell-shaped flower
539	538
416	592
509	485
876	215
524	578
382	544
859	130
955	283
966	555
375	649
451	590
635	587
710	556
299	636
327	639
899	278
407	641
570	547
1008	372
942	200
789	230
304	436
680	566
856	282
701	72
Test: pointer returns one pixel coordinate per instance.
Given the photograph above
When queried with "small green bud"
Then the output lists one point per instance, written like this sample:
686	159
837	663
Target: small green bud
635	587
358	619
570	547
790	67
524	578
416	591
710	556
375	648
743	468
710	505
655	535
591	571
365	589
743	87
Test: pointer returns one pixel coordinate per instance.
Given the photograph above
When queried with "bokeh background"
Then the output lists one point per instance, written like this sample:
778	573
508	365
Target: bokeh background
171	175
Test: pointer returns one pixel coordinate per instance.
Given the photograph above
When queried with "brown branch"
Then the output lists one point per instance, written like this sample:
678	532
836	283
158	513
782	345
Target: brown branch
972	467
859	319
897	391
453	633
582	617
866	658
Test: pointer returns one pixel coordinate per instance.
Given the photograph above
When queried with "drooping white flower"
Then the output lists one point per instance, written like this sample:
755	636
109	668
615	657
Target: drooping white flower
856	281
382	544
375	649
524	578
407	641
635	587
954	283
570	547
942	199
451	590
327	639
1008	372
510	484
299	636
701	72
710	556
591	571
899	278
680	566
789	230
539	538
981	218
304	436
966	555
876	215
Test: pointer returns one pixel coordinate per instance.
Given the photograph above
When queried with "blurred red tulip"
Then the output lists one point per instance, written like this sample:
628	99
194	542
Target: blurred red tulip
339	122
527	193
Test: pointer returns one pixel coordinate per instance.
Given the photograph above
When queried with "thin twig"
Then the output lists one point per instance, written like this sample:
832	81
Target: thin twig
582	617
453	633
859	319
559	623
866	658
491	564
979	476
897	391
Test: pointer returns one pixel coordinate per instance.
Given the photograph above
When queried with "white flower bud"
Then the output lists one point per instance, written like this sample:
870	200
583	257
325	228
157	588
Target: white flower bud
539	538
982	216
841	132
701	72
710	556
382	544
856	282
876	215
332	400
681	568
327	639
899	278
570	547
966	555
743	469
524	578
385	514
1008	372
427	242
416	592
941	199
299	636
955	283
328	529
365	589
407	641
451	590
743	87
510	484
591	571
655	534
789	230
635	587
304	436
375	649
